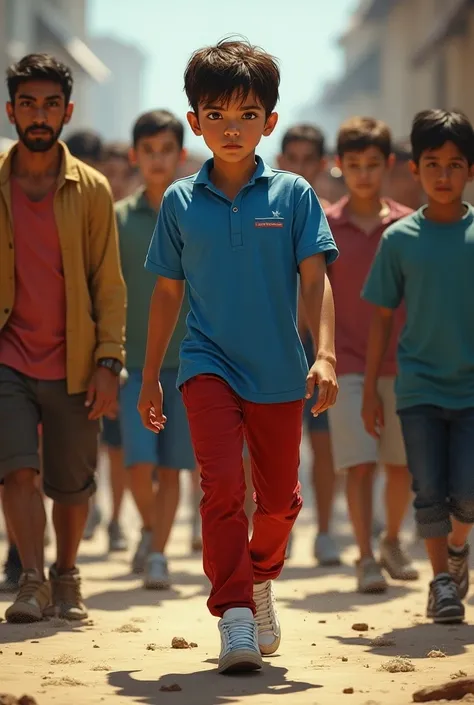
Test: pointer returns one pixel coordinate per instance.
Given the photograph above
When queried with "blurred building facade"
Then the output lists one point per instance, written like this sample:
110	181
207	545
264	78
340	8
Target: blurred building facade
402	56
113	106
57	27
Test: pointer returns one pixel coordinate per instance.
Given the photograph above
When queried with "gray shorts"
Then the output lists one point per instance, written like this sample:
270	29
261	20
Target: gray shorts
70	440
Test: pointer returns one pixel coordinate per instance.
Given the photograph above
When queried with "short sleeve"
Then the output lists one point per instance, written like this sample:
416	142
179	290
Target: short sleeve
384	285
311	232
164	253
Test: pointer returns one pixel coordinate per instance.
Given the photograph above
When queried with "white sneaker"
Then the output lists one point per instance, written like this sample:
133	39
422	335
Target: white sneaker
269	631
142	552
239	643
156	573
326	551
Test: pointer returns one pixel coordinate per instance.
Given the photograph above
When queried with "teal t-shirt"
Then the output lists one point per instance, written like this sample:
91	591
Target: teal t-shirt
136	221
430	266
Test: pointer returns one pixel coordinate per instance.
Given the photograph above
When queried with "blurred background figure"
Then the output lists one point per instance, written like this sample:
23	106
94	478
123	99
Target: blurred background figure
400	183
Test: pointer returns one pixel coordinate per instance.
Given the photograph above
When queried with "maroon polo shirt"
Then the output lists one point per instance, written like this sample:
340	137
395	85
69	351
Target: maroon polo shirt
347	275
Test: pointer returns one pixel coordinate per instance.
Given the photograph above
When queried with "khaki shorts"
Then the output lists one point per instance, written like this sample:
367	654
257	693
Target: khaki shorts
70	440
351	444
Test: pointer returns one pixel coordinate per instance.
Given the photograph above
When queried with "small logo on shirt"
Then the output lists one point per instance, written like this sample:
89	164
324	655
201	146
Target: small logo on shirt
276	221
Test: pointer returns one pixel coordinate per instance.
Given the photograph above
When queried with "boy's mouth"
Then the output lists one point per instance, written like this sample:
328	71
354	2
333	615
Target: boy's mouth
232	145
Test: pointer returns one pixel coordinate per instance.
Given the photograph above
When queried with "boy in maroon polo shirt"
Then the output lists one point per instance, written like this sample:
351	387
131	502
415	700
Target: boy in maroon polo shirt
358	221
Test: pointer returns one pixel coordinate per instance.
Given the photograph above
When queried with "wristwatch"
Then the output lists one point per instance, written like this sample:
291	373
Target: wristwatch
111	363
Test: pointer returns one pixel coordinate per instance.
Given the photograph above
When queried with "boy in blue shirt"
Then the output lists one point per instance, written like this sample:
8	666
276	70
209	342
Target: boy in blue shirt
237	233
427	261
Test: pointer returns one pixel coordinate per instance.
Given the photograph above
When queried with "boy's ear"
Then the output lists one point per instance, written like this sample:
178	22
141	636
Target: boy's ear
183	156
391	161
69	112
338	162
132	156
194	123
270	124
414	170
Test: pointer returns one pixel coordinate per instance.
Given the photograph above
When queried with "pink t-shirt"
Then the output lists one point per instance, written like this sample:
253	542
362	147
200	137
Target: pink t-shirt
34	338
347	275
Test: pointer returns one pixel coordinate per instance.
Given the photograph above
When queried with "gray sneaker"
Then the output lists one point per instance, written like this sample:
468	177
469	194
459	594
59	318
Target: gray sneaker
156	573
396	561
66	595
326	551
142	552
117	539
369	576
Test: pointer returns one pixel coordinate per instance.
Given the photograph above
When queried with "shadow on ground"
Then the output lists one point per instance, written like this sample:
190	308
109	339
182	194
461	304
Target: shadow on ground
205	687
334	601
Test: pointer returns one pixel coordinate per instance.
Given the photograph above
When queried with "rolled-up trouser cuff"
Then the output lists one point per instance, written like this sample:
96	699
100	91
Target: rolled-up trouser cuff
433	521
463	510
81	496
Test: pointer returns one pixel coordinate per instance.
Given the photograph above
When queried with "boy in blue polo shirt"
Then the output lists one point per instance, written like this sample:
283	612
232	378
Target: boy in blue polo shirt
237	233
426	260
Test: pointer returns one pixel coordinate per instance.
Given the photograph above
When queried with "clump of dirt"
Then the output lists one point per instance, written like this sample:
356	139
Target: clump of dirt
65	680
360	627
436	653
398	665
6	699
101	667
65	660
128	629
382	641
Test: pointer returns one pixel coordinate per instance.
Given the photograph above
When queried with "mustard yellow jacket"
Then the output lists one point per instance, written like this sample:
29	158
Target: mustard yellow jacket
95	289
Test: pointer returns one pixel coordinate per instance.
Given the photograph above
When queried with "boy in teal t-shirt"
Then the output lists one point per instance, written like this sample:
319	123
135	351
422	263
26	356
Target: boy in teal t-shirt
157	152
426	261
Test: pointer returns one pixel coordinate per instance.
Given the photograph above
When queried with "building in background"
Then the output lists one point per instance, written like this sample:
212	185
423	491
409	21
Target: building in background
113	107
57	27
402	56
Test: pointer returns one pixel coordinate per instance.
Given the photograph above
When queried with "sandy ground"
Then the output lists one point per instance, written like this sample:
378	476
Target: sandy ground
123	655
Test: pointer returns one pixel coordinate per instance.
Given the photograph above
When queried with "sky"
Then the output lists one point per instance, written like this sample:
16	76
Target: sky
302	34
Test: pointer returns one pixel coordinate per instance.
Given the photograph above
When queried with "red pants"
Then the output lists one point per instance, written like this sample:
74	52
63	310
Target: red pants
219	419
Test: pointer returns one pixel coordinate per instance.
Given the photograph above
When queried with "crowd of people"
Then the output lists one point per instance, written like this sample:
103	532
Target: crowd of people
197	325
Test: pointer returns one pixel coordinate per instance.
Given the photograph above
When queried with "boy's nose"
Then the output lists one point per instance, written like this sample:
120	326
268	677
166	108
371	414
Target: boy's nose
232	131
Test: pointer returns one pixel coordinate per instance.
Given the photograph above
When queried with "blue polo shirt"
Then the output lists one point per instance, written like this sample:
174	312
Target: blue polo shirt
240	260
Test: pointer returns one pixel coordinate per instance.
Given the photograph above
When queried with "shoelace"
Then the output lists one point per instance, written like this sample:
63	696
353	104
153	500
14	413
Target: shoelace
68	589
239	634
264	614
28	588
457	565
445	589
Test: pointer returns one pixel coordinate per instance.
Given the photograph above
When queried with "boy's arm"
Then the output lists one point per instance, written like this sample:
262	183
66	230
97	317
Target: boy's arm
165	306
384	288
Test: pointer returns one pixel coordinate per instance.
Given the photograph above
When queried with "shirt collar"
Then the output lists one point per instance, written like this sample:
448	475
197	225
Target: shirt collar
68	171
263	171
339	212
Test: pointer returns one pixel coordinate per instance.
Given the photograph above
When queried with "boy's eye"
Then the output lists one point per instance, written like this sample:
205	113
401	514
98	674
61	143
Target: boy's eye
249	116
214	116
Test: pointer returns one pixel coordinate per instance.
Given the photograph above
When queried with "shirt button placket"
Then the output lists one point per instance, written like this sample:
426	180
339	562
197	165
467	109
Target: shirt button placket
236	224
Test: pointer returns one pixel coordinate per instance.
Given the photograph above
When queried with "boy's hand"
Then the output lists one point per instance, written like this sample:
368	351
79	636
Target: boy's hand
372	414
150	406
102	394
322	374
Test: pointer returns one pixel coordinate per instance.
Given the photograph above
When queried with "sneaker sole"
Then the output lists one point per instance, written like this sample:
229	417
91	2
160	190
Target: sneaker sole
23	616
157	585
269	649
447	619
328	563
414	575
118	548
241	661
373	588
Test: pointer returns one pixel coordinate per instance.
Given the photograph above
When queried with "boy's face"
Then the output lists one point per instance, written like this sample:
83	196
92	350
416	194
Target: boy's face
364	172
303	158
232	131
443	173
119	175
158	158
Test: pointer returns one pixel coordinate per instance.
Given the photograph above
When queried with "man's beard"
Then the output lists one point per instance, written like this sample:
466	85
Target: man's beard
37	143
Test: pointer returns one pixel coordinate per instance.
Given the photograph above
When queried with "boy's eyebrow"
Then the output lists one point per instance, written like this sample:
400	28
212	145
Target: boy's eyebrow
207	106
436	156
25	96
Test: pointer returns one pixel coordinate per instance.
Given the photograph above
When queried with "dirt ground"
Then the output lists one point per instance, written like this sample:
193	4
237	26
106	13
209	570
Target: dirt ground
123	655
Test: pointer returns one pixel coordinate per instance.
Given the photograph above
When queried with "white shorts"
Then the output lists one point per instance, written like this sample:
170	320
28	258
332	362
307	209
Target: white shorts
351	443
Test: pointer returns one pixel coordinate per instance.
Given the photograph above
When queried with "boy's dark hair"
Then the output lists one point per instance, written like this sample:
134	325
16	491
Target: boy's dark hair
360	133
39	67
115	150
305	133
433	128
86	145
216	74
155	121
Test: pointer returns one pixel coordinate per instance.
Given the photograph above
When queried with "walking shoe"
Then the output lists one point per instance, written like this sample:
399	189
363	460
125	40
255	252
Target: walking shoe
458	565
156	573
444	603
396	561
269	631
326	551
239	643
66	595
93	522
289	547
117	539
369	576
142	552
12	570
33	598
